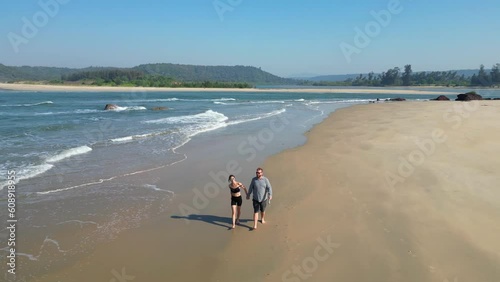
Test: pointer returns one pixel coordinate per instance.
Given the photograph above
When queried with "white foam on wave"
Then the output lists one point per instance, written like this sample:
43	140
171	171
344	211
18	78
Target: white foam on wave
205	117
78	111
260	116
129	138
268	102
178	99
27	172
29	105
224	99
203	122
195	124
69	153
131	108
137	136
152	100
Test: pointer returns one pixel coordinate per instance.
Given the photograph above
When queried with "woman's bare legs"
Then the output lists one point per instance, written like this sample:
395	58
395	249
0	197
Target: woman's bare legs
233	215
238	214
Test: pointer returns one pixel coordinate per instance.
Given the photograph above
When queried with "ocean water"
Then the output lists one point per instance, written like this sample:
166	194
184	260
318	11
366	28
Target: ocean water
70	155
57	134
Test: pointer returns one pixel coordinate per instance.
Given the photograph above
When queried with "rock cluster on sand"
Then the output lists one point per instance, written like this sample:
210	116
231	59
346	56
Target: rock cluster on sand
469	96
441	98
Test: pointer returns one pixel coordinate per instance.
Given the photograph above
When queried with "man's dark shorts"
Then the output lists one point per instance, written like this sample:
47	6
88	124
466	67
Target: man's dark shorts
259	206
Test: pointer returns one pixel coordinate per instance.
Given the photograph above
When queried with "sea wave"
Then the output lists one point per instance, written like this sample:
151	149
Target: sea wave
29	105
28	172
268	102
260	116
223	99
137	136
131	108
205	117
78	111
174	99
150	100
192	125
69	153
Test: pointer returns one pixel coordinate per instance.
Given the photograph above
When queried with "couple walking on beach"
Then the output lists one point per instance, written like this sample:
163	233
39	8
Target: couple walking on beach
262	194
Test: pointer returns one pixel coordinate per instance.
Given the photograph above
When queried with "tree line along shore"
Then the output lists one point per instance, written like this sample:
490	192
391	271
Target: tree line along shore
189	76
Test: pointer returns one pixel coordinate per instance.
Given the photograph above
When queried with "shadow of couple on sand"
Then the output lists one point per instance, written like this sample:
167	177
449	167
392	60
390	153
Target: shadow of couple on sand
215	220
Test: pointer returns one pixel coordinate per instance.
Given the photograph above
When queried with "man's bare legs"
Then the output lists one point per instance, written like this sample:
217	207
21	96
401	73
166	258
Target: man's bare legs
255	220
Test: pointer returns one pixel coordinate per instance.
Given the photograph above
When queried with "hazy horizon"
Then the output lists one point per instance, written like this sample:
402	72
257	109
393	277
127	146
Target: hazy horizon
285	38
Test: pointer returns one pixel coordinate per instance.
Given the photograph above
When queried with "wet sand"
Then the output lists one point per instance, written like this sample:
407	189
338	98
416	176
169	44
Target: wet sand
381	192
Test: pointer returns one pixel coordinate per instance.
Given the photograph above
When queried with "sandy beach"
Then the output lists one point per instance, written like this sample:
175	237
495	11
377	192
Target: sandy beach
380	192
55	88
385	192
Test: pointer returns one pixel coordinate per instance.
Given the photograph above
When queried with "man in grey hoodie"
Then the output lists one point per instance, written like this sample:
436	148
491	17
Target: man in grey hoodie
262	193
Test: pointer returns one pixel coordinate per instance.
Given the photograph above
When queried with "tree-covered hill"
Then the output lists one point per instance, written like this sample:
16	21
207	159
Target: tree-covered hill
11	73
214	73
183	73
406	77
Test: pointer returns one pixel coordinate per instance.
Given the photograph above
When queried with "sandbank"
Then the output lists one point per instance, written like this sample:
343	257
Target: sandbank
65	88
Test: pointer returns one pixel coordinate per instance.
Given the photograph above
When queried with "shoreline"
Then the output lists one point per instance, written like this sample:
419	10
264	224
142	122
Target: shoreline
60	88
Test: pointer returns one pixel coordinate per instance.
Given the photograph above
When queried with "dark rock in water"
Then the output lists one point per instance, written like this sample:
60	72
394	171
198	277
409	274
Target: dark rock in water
396	99
110	107
441	98
496	98
469	96
159	108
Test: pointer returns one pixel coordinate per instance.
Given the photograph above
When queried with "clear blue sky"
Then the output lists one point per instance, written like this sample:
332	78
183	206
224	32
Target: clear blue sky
284	37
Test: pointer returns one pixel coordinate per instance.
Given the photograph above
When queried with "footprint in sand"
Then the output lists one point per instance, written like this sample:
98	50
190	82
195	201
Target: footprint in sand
365	146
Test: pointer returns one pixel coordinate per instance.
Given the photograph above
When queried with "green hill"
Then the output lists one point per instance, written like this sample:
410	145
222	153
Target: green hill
184	73
213	73
8	73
